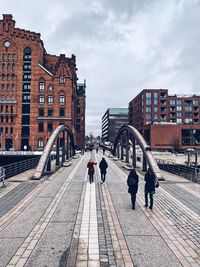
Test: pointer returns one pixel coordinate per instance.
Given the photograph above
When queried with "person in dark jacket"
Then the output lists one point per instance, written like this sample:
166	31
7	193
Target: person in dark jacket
90	167
149	188
103	169
132	183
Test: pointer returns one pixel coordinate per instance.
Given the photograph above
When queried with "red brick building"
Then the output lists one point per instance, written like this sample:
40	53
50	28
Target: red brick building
38	91
166	121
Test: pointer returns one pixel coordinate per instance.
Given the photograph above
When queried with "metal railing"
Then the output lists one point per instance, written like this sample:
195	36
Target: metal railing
189	172
2	176
20	166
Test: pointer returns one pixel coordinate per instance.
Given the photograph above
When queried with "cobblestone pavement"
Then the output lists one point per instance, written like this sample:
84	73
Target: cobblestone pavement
66	221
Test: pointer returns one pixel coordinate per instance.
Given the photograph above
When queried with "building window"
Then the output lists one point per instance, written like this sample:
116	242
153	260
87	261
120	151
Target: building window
62	79
148	116
6	130
178	108
8	87
179	120
50	88
172	102
155	116
1	108
11	119
41	99
8	77
40	127
50	127
11	130
40	143
13	57
148	109
13	87
3	77
4	57
179	114
155	109
41	84
148	101
195	103
155	95
62	99
188	120
6	109
50	112
7	98
62	112
2	87
8	67
50	99
3	67
41	112
13	67
148	95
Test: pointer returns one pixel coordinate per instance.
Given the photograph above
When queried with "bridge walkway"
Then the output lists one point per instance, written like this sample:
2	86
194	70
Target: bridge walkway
65	221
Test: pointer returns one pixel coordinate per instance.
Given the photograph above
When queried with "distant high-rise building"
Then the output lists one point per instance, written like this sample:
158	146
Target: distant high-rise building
166	121
112	121
38	91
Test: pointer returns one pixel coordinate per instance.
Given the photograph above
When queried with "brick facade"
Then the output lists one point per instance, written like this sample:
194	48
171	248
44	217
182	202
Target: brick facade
38	91
166	121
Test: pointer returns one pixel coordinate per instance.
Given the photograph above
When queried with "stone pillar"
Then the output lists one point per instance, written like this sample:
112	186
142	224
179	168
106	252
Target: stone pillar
144	165
188	158
122	147
196	159
49	163
67	148
134	153
63	148
118	150
58	151
127	146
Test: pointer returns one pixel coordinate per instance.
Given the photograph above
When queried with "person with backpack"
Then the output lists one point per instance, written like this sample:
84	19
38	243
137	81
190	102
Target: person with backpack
103	165
132	183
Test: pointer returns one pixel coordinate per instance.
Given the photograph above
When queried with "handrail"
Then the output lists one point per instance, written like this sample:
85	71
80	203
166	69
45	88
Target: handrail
20	166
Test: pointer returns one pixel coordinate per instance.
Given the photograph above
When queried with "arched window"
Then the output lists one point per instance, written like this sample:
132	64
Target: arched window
50	87
27	54
8	67
50	99
61	99
41	84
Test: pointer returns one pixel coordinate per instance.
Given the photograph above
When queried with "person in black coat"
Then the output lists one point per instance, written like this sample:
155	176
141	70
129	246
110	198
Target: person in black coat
103	169
132	183
149	188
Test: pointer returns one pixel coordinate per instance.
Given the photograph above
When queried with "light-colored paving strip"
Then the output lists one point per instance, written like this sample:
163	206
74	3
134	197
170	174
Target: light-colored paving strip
88	248
179	246
121	251
22	254
6	219
190	190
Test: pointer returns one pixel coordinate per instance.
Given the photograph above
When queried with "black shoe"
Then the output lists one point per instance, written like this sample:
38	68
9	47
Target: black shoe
151	207
133	208
146	206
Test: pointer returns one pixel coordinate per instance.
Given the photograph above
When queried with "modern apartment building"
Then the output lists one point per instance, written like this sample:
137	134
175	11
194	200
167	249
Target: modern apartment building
112	121
166	121
38	91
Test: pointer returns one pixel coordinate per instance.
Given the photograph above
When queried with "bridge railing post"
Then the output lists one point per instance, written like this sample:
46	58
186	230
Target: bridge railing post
49	164
63	148
58	152
122	148
127	146
133	153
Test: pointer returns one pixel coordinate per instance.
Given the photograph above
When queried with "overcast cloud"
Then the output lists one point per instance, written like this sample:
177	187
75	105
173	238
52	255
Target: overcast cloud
122	46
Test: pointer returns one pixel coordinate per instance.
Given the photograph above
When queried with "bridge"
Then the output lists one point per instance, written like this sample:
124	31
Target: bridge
60	219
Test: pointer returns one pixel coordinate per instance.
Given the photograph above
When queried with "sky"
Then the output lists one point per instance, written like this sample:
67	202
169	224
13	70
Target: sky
122	46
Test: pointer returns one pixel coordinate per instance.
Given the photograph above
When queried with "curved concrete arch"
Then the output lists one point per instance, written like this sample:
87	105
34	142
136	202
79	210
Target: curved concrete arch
145	148
47	150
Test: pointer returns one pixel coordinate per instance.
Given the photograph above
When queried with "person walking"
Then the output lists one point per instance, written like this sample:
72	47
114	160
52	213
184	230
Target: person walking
103	165
90	167
132	183
149	188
